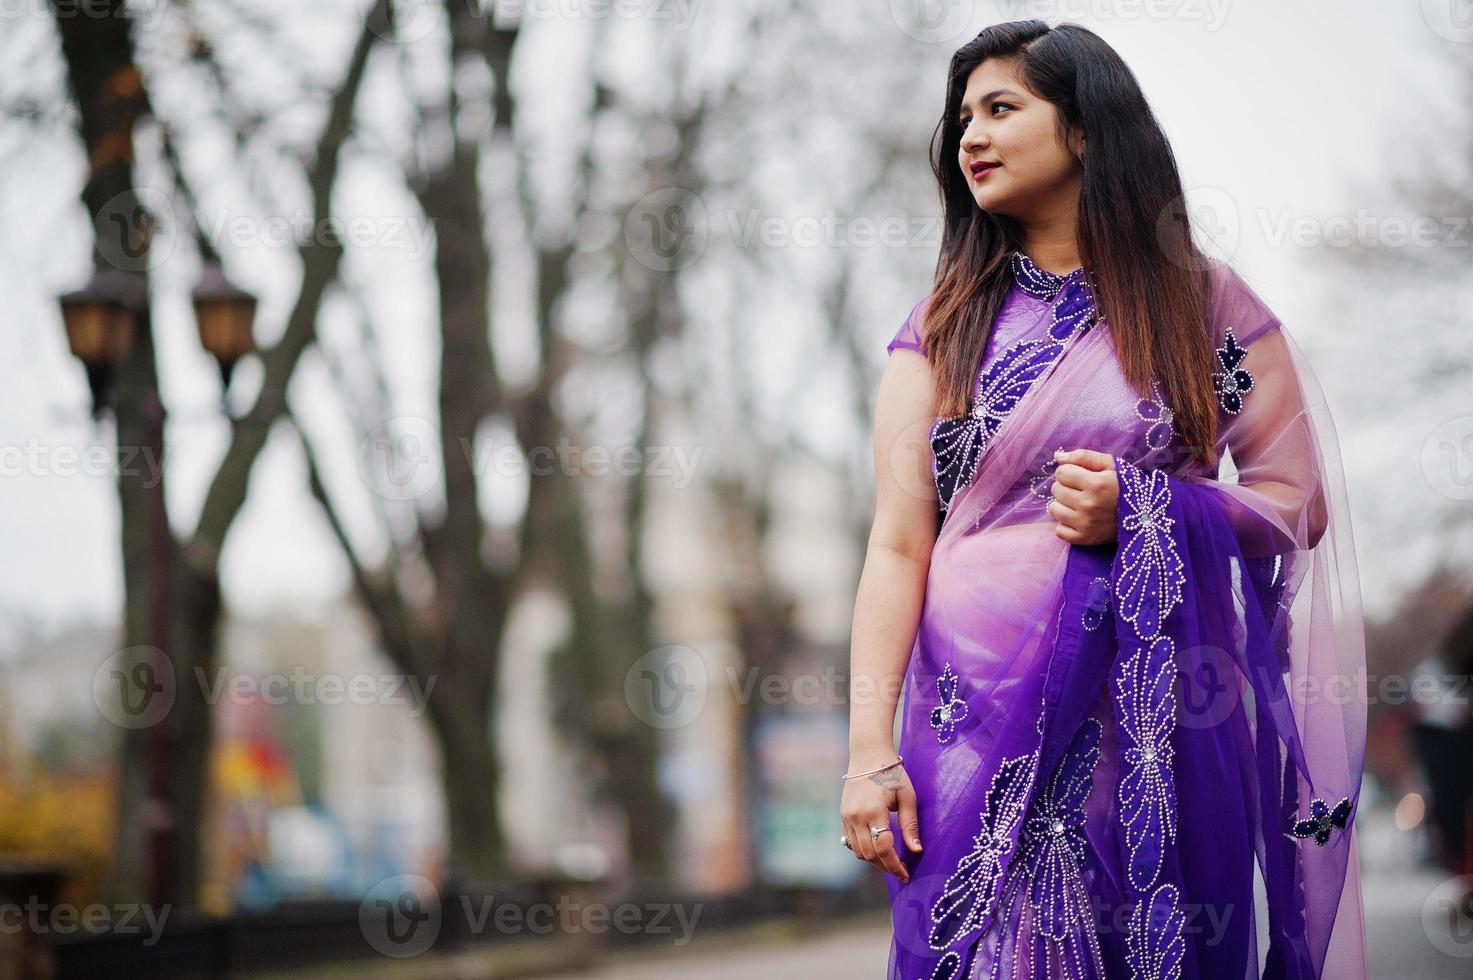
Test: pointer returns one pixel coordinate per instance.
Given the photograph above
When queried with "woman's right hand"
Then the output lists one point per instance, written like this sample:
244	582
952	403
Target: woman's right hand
867	802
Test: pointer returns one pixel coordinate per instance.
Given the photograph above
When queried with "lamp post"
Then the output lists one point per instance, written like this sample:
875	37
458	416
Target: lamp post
105	320
101	321
224	313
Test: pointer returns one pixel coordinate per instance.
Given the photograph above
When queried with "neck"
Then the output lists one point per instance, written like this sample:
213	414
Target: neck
1051	244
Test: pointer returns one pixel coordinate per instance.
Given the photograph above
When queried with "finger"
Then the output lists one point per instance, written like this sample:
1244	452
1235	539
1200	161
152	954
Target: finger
1090	459
889	859
863	846
1066	533
910	823
1073	475
1068	496
1065	515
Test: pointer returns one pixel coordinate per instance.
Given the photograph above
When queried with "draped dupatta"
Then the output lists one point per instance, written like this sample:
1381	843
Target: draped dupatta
1142	759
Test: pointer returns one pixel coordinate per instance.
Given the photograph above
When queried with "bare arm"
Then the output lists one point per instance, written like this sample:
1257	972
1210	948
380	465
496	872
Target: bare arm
892	586
887	611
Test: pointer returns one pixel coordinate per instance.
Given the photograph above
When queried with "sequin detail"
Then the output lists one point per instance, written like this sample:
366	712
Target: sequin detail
1096	603
1232	382
1047	876
951	709
1153	943
949	968
1323	820
1053	842
1150	584
1146	706
1159	416
968	899
958	441
1148	587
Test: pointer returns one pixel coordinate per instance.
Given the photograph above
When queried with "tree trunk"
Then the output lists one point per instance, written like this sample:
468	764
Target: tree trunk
472	773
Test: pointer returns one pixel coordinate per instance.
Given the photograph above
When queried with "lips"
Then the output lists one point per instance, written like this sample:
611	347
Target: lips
983	167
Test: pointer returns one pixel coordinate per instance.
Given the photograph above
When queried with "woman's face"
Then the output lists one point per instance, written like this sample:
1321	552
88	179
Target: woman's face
1035	177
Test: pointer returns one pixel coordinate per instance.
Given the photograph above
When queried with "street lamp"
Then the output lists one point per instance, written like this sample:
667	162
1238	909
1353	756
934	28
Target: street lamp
224	313
101	320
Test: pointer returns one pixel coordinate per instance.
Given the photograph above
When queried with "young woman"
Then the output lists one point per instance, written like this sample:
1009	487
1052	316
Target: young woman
1133	733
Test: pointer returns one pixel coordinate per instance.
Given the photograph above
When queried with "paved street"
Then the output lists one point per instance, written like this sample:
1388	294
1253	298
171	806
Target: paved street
1403	943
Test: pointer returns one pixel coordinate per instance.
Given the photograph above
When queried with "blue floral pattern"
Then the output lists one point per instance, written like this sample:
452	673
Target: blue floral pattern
1232	382
1147	715
1151	582
1048	875
1153	944
1096	603
949	968
1148	587
958	441
1323	819
1159	418
1053	843
969	896
951	709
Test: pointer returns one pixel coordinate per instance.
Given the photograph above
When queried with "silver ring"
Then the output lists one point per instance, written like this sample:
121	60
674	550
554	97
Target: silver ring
875	832
844	839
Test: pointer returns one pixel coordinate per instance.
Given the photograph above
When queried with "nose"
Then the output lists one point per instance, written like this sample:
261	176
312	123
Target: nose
974	138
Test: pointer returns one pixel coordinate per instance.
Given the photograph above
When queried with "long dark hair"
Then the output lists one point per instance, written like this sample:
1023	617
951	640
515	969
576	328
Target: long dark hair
1134	238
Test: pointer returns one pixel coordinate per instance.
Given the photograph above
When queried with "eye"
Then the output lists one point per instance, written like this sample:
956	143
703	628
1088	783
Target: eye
964	122
996	104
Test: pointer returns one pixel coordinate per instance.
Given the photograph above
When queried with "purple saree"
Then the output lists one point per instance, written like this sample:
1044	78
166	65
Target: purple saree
1139	759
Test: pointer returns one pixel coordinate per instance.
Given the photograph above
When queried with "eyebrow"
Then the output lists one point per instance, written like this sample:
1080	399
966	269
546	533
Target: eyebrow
992	95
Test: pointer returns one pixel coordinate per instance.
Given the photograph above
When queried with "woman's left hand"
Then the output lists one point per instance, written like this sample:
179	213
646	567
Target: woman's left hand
1085	491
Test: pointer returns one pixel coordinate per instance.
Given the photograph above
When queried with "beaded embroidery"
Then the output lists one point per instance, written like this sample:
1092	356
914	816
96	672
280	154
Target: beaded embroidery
1053	843
948	969
1041	485
1323	820
1232	382
951	709
1147	715
1096	603
968	897
1149	586
1160	417
1048	874
1153	944
1035	280
958	441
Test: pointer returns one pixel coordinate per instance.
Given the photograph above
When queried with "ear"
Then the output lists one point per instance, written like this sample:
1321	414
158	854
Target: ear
1076	143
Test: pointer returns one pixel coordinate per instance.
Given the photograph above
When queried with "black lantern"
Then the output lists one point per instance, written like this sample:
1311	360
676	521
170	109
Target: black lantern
224	313
101	320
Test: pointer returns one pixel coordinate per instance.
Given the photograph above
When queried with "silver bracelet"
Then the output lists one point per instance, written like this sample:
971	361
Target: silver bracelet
892	765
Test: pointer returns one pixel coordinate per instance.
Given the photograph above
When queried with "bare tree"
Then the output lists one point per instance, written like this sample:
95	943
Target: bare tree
172	584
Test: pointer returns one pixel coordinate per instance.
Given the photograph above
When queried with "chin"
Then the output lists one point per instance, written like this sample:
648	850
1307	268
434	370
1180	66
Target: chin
991	203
